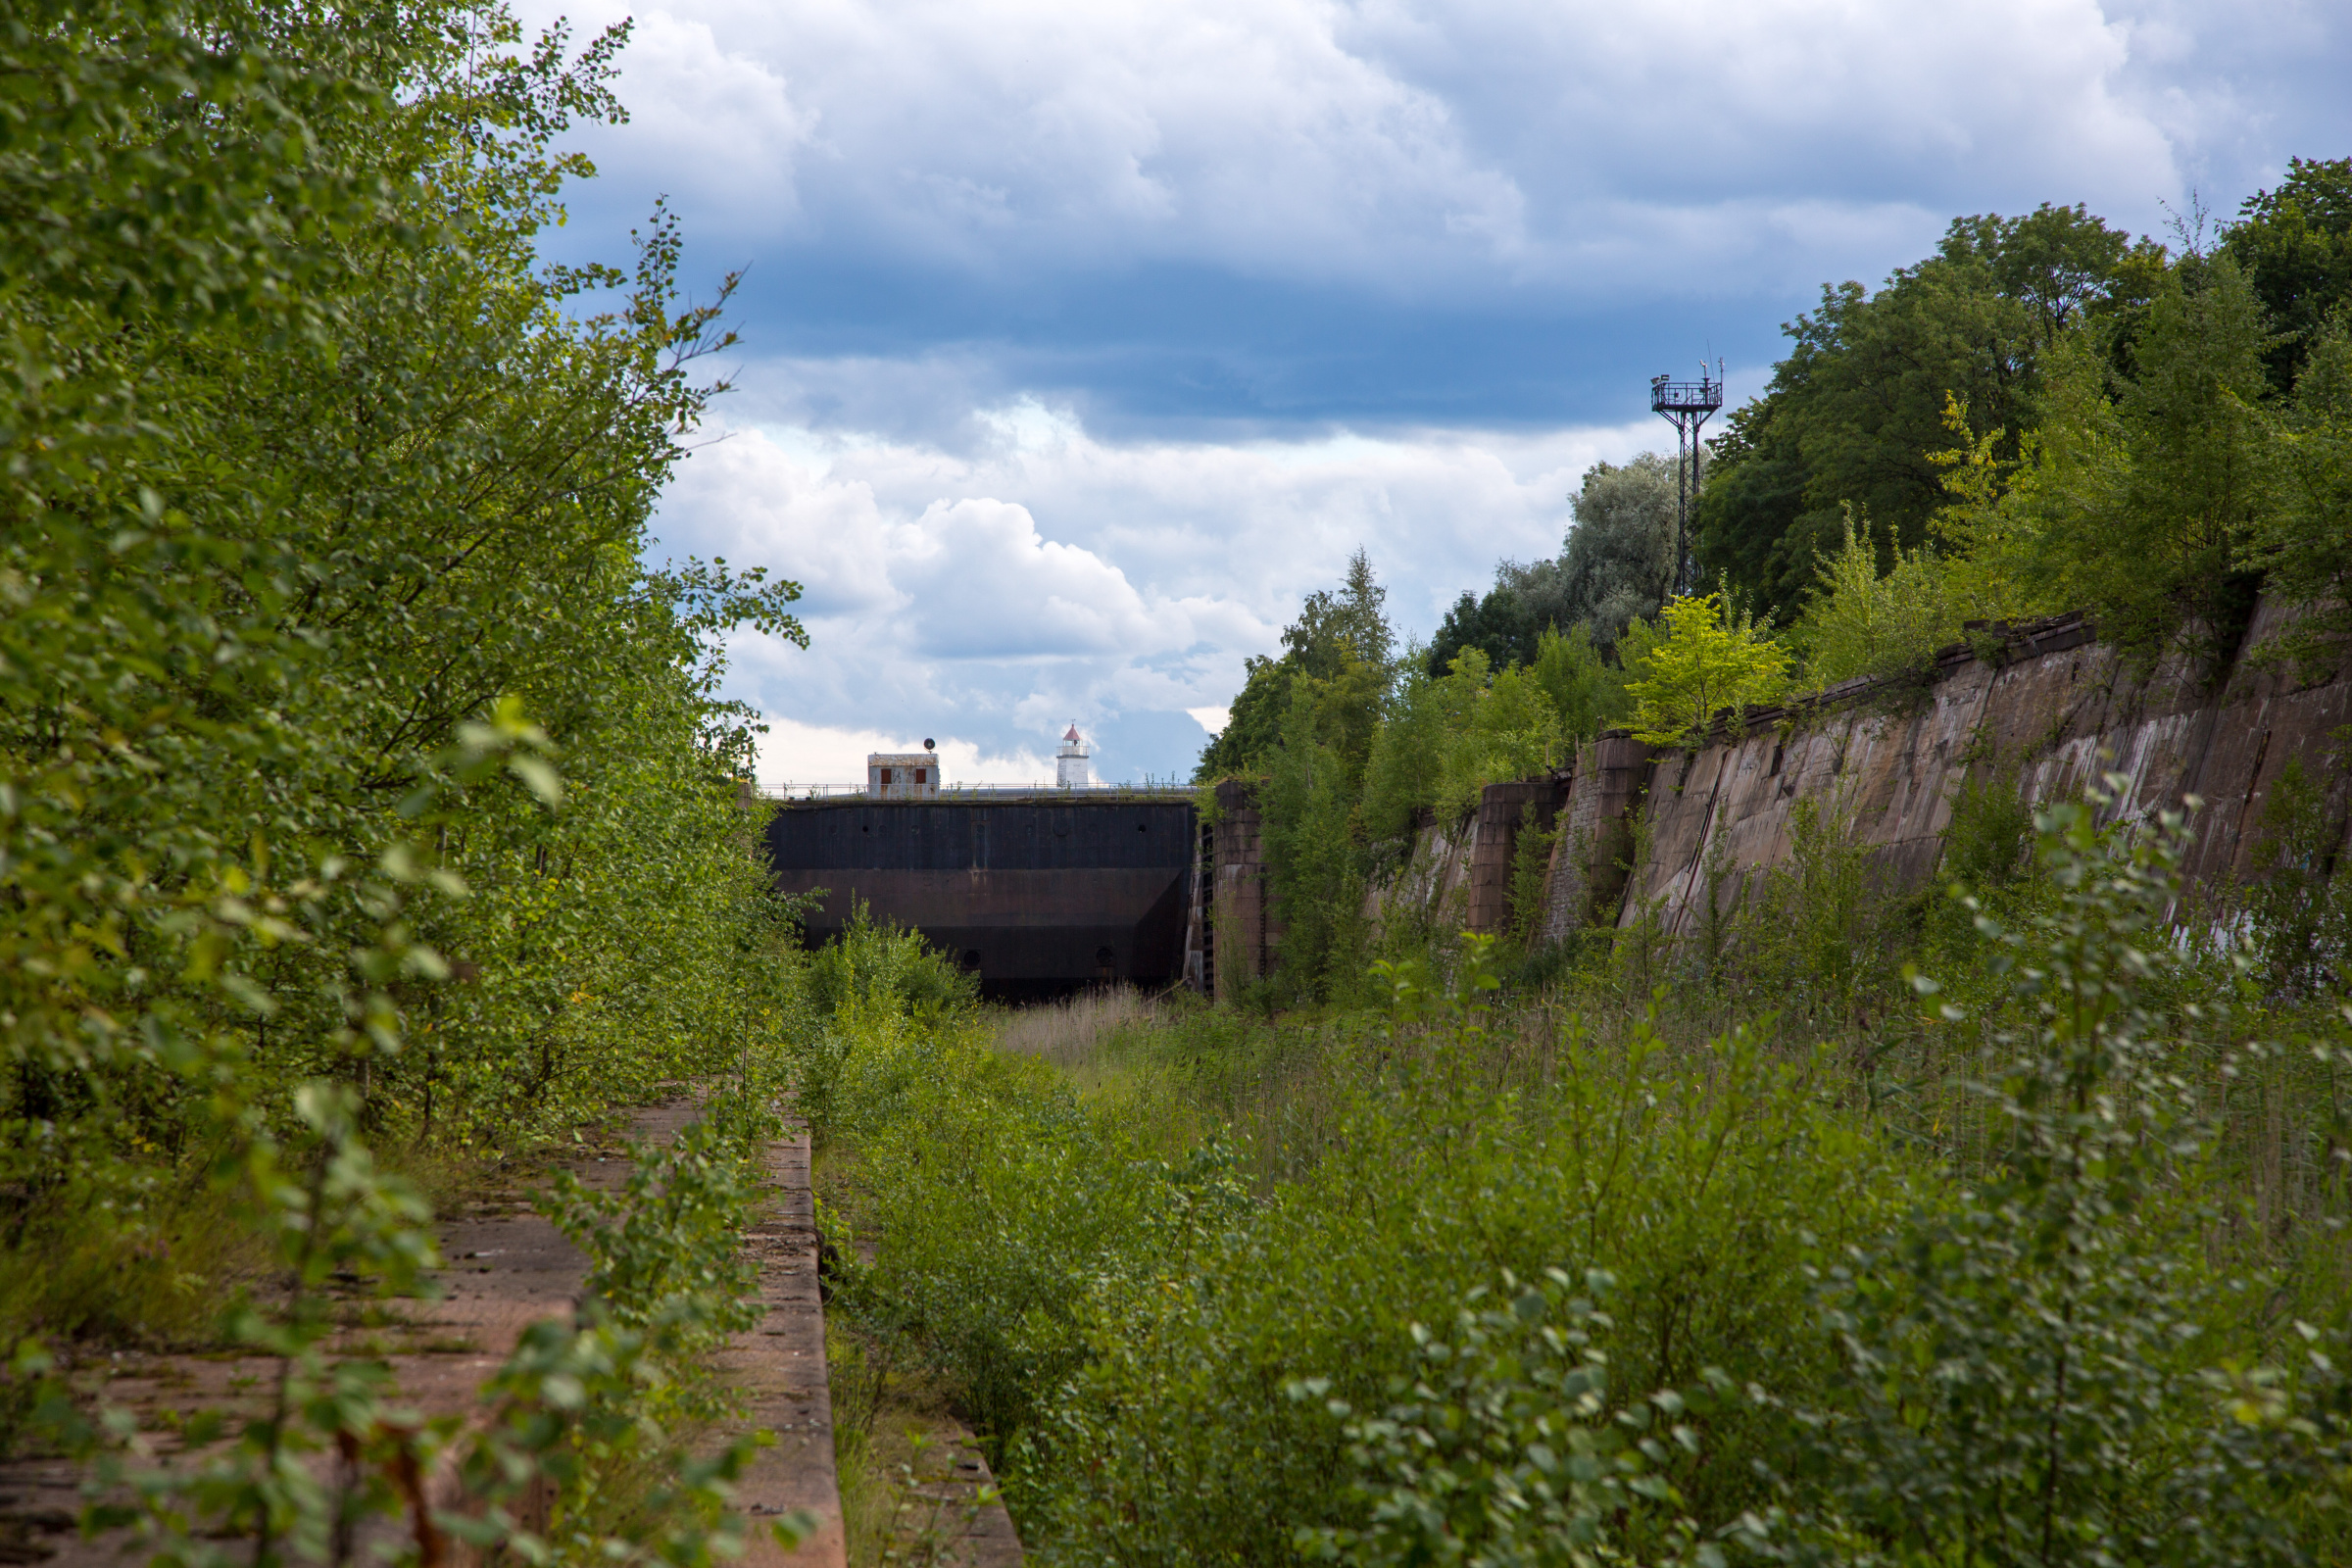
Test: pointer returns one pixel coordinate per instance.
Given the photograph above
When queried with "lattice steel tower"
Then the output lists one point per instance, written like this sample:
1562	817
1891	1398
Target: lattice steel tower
1685	404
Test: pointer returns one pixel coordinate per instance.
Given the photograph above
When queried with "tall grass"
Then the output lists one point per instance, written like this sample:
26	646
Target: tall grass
2039	1260
1072	1031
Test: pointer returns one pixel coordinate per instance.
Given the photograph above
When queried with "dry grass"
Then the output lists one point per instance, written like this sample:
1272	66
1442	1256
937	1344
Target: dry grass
155	1276
1076	1031
156	1279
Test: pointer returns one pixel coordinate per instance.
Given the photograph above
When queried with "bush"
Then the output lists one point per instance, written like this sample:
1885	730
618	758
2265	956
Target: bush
997	1201
1699	1190
2299	906
2033	1365
1511	1446
1860	623
1704	660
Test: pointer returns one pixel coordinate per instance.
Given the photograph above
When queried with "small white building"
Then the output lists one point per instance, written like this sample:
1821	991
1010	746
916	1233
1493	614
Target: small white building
1069	763
902	776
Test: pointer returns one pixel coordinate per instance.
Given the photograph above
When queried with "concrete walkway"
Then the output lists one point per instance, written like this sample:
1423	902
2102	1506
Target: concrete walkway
780	1365
505	1268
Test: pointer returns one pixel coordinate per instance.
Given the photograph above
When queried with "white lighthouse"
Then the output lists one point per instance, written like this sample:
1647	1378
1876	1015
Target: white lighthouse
1069	763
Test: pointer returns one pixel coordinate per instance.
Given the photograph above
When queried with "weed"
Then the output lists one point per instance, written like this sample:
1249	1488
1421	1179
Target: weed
2298	904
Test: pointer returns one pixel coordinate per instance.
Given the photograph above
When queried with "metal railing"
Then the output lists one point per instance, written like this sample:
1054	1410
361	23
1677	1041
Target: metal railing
1685	397
945	792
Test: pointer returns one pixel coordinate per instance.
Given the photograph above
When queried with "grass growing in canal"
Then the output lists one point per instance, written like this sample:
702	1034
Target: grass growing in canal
2026	1267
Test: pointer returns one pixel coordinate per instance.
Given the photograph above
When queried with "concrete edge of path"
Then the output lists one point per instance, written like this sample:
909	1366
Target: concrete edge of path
778	1365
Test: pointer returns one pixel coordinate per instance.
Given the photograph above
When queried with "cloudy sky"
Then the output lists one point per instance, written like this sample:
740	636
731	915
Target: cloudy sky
1083	338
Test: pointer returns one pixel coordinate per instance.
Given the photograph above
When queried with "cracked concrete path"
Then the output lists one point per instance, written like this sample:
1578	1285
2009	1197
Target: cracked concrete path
779	1366
506	1266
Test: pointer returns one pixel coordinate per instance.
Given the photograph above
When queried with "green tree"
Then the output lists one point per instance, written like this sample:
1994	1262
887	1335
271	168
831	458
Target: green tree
2149	540
1616	567
1305	723
1406	768
1500	624
2295	242
1253	722
1852	412
1314	838
1334	629
1584	689
1869	618
1502	726
1337	628
320	524
1709	659
1619	566
2303	545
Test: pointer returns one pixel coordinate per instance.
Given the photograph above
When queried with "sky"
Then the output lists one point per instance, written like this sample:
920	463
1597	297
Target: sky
1080	341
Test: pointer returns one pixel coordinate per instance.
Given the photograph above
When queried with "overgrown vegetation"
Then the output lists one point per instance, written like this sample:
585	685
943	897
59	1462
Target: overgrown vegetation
2045	417
2013	1233
340	725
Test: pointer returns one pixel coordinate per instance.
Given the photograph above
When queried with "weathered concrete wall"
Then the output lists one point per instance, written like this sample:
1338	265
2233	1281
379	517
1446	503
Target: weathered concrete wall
1503	810
2047	713
1245	938
2053	712
1434	883
1605	785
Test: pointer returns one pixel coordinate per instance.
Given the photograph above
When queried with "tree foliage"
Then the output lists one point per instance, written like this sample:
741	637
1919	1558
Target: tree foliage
2295	242
1334	629
2303	546
2158	482
1852	412
1707	658
1616	568
339	720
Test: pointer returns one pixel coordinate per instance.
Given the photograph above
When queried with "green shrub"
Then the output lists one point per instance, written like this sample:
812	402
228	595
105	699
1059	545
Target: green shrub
2052	1322
996	1201
2033	1365
346	740
1816	933
1990	832
1700	1191
668	1281
1511	1443
1703	659
869	978
1584	689
2298	905
1862	622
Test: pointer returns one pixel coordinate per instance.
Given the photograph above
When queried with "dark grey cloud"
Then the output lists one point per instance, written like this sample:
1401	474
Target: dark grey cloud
1042	294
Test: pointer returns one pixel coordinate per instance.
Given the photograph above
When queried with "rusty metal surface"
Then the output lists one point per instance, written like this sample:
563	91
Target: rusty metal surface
1022	893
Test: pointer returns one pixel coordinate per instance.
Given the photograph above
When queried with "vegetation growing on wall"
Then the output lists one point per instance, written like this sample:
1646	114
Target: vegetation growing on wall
2046	415
1705	658
2140	433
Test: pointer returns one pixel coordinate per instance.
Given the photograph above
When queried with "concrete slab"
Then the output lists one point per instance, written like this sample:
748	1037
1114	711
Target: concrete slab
505	1267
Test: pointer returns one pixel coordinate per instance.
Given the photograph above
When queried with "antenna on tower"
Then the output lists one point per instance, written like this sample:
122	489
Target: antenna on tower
1685	404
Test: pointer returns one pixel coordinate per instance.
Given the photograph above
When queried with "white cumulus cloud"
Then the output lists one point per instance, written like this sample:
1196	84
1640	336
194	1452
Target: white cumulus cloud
1048	578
